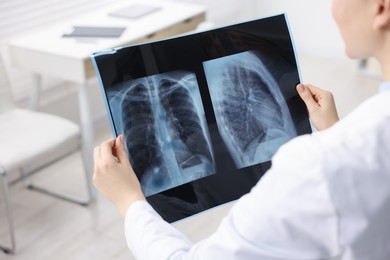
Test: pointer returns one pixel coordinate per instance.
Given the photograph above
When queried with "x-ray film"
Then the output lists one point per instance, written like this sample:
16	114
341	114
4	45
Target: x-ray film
203	114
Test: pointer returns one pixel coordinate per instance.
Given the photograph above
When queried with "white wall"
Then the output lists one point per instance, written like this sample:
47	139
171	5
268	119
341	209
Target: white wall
311	23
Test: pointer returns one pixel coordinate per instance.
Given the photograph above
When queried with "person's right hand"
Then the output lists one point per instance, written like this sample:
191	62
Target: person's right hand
320	104
113	175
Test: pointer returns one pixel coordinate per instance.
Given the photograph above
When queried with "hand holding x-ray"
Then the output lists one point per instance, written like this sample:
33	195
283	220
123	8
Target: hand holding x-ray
113	175
320	104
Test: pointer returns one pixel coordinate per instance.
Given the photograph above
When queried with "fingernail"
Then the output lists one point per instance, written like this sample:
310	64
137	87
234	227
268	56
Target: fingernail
122	138
300	88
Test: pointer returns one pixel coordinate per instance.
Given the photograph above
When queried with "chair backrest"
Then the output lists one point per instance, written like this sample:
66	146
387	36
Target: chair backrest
6	103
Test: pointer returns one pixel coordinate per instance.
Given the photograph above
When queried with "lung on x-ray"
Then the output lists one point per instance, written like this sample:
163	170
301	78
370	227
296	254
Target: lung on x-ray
204	113
165	129
252	116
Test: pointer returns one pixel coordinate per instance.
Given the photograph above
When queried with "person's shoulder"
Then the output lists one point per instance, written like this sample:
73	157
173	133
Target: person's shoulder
377	106
354	140
366	121
361	140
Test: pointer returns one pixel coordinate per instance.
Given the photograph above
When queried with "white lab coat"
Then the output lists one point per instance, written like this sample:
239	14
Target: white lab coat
326	196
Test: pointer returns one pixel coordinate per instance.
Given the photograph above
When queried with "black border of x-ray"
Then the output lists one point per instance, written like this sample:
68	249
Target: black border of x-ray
269	35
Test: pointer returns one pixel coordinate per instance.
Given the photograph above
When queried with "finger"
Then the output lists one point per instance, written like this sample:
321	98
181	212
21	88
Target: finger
307	97
322	97
313	89
106	149
120	148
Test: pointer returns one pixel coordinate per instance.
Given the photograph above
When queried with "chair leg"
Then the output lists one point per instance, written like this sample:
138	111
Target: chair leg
87	137
60	195
88	171
8	211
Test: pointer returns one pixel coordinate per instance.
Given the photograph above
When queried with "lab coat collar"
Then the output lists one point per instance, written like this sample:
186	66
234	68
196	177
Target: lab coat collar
385	86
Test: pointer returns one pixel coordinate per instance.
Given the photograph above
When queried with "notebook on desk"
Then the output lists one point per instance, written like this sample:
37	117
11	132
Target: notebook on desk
93	31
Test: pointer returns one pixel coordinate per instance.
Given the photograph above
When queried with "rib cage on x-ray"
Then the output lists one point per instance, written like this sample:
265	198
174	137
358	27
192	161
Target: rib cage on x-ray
139	130
184	121
163	121
251	113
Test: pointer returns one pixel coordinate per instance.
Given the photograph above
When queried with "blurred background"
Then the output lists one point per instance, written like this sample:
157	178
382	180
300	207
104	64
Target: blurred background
48	228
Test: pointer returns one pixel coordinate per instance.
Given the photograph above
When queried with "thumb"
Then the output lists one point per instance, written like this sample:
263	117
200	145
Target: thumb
120	148
307	97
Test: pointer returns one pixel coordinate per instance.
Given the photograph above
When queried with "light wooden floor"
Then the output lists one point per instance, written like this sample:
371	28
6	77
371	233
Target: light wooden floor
48	228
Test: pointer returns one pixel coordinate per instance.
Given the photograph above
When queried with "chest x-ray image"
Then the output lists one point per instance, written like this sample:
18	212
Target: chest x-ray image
252	116
204	113
166	134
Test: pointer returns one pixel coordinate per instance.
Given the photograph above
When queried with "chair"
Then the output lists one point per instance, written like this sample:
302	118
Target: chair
27	137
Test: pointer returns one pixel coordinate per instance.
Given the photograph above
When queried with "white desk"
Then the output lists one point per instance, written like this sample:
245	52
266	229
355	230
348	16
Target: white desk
46	52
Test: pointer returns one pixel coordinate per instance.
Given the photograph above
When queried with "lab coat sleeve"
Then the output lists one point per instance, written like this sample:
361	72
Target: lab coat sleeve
288	215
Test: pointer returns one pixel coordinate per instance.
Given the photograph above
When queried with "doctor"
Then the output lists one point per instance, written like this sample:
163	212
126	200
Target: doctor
326	196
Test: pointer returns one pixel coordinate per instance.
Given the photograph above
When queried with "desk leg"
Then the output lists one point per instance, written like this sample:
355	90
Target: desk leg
87	134
36	91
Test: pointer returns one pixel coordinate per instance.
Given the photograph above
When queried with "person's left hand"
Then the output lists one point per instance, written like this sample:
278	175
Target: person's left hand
320	104
113	175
